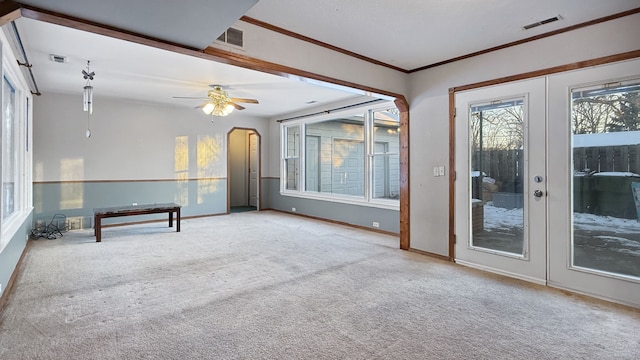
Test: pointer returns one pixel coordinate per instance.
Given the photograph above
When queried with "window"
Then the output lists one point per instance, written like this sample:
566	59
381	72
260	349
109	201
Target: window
15	159
349	157
292	157
386	155
10	137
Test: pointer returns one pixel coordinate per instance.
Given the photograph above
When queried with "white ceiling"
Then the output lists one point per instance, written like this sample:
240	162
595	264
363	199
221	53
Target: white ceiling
410	34
407	34
142	73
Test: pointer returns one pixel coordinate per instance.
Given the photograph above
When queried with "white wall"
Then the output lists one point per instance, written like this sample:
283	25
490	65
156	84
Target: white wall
284	50
429	110
129	141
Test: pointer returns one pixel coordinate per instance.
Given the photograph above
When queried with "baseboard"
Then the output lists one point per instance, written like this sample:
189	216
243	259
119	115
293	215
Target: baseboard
430	254
502	272
337	222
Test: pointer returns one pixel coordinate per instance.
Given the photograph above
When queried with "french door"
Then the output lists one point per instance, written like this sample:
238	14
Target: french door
501	180
546	177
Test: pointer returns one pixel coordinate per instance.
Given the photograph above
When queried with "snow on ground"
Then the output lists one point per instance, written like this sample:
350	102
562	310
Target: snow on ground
500	218
591	222
496	218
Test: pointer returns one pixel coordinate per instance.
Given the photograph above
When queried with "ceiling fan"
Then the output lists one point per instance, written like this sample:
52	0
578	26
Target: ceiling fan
218	102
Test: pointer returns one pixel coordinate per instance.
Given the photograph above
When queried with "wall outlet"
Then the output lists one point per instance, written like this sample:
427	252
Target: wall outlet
435	171
293	209
376	224
134	204
441	170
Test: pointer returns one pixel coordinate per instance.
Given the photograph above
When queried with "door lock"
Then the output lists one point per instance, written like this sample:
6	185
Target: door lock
538	193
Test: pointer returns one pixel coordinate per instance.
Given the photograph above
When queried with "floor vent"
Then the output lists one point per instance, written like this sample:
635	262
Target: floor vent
542	22
233	37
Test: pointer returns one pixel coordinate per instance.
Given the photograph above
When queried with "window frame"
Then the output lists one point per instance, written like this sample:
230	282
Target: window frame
23	110
367	199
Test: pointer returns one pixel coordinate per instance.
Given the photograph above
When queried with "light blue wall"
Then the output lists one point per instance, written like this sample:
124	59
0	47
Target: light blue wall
78	199
389	220
11	253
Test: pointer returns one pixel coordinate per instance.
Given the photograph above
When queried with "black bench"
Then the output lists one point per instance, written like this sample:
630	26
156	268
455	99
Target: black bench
131	210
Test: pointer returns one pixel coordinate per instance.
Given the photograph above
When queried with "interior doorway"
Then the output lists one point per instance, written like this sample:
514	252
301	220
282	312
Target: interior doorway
243	170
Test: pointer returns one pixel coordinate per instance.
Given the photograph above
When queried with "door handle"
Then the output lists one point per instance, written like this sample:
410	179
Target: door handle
538	193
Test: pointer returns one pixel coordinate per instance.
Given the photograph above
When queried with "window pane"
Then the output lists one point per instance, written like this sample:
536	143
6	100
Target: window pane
385	182
386	172
606	179
292	157
9	151
334	156
497	167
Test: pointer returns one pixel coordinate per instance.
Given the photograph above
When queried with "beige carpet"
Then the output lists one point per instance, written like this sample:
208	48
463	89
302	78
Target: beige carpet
266	285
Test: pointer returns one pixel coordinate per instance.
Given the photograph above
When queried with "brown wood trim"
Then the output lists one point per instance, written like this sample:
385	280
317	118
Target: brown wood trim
430	254
531	74
270	178
319	43
405	190
452	174
529	39
9	11
8	290
210	53
337	222
247	62
553	70
53	17
123	181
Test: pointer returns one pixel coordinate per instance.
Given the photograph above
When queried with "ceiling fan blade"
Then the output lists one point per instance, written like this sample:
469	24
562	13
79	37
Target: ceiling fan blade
201	105
250	101
190	97
239	107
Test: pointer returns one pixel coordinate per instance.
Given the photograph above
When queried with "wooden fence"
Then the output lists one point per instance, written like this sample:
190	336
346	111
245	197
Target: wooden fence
508	165
624	158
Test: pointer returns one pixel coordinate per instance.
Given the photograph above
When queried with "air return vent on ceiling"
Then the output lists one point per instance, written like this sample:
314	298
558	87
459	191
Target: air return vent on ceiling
542	22
232	36
58	58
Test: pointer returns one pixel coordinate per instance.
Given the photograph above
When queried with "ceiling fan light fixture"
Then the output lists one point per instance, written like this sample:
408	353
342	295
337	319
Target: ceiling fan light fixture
222	109
208	108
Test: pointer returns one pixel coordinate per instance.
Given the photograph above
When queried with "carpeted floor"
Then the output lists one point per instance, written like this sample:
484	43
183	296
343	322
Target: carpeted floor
266	285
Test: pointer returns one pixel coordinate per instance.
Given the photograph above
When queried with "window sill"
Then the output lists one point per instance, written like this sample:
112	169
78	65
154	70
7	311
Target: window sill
12	225
381	204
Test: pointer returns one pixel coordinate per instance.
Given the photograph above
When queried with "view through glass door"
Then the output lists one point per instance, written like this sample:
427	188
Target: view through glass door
595	229
548	180
500	179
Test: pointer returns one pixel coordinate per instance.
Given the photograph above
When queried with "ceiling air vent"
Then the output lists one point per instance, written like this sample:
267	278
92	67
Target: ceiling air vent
58	58
232	36
542	22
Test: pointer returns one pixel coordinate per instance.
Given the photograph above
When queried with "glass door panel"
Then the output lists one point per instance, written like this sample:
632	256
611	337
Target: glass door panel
500	225
606	179
594	136
497	158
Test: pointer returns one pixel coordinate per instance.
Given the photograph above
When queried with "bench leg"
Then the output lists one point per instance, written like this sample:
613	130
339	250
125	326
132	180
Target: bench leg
178	220
98	228
171	218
